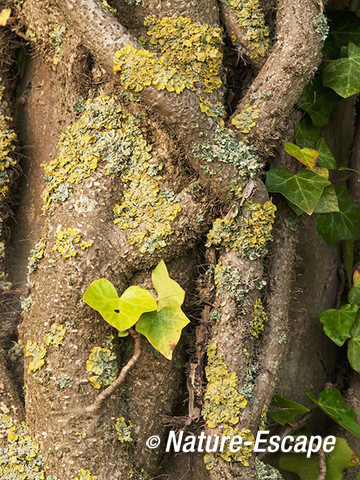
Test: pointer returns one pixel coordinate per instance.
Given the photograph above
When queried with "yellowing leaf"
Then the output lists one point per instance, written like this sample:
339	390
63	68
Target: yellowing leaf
306	156
4	16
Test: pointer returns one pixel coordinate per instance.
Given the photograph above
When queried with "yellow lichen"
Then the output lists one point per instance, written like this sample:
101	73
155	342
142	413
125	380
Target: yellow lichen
223	402
19	459
36	254
109	7
8	137
245	451
210	461
66	242
123	430
249	231
210	110
180	55
57	35
103	364
263	418
38	352
260	319
251	18
85	475
56	335
245	120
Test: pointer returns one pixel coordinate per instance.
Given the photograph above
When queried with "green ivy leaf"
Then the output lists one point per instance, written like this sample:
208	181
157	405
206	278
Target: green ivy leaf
318	102
345	28
343	75
170	294
337	324
288	407
306	156
303	189
343	225
163	327
306	135
326	158
328	201
354	295
122	313
331	402
353	352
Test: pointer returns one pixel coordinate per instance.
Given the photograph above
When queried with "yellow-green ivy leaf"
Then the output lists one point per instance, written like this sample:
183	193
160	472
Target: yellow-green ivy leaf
306	156
170	294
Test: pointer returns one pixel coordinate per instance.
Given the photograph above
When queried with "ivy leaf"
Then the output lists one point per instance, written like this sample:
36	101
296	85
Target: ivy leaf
331	402
356	276
306	156
343	74
170	294
337	324
289	409
318	102
163	327
122	313
326	158
328	201
306	135
303	189
345	28
353	352
354	295
343	225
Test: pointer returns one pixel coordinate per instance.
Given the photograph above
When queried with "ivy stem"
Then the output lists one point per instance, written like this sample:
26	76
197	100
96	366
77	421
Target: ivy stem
322	465
120	379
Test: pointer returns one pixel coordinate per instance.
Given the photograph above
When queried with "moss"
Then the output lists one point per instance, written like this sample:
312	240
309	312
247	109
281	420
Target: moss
180	54
8	137
245	451
36	254
225	149
103	364
38	352
249	231
245	120
210	461
85	475
57	35
266	472
56	335
263	418
260	319
19	459
223	402
251	18
66	242
123	430
25	303
228	279
321	25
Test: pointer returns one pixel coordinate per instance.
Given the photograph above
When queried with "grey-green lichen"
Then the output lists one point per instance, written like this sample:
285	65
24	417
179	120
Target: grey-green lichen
8	140
25	303
136	474
68	242
57	35
56	335
225	149
248	387
263	418
19	459
251	18
223	402
123	430
228	279
103	364
282	340
321	25
133	2
266	472
180	55
249	231
38	352
260	319
245	120
85	475
36	254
